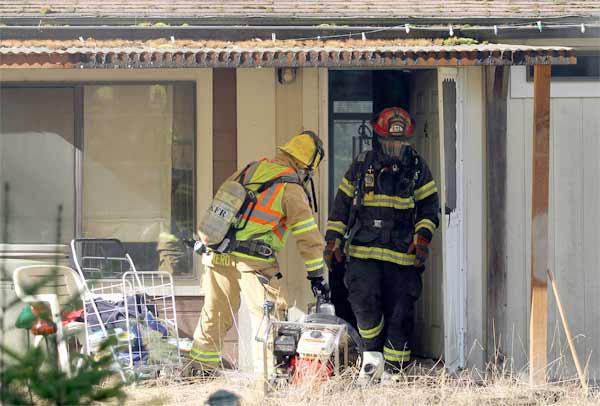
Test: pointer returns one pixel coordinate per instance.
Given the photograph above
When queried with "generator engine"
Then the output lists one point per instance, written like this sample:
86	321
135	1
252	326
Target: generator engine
313	349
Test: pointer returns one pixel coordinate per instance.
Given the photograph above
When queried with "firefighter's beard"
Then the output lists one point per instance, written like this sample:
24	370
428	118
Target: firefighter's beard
393	148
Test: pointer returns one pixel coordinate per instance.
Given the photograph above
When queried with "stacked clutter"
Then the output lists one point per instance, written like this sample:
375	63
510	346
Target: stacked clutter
142	338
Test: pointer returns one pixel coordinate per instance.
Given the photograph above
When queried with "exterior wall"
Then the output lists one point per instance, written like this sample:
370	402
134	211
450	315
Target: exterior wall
224	125
298	109
574	221
472	126
577	43
464	276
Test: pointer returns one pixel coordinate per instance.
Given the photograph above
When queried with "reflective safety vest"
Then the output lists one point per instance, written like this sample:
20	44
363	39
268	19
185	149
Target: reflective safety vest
266	221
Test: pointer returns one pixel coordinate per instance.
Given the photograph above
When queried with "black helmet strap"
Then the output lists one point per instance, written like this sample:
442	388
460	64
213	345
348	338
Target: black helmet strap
317	157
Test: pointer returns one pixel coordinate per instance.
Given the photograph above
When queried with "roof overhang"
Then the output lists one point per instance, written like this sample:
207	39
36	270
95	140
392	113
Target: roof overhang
252	54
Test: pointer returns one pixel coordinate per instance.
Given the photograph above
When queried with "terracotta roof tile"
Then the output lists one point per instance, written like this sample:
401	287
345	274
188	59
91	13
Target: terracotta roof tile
193	54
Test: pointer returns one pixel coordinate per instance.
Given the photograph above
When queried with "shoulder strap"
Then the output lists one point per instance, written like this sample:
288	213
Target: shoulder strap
280	179
362	156
363	161
241	178
415	165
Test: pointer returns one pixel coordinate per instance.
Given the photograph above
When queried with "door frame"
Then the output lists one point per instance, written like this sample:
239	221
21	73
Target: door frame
455	314
455	279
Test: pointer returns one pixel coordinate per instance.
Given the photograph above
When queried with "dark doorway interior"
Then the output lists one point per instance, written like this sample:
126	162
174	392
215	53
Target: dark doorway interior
355	96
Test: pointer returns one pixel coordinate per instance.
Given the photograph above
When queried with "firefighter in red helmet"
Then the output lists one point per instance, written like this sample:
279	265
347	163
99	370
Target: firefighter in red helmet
383	219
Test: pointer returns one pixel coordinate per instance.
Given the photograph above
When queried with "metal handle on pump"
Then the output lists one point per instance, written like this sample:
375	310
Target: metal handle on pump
268	308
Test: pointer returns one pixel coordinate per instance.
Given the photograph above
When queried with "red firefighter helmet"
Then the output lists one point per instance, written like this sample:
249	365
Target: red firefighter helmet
393	122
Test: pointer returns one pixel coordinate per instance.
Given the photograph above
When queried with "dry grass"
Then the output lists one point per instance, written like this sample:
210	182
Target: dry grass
419	386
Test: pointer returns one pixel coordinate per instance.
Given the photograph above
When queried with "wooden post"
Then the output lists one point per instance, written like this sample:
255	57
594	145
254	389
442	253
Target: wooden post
496	82
538	325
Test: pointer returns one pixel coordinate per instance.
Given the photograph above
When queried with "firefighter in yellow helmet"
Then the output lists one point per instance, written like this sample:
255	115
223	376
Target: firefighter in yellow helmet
248	267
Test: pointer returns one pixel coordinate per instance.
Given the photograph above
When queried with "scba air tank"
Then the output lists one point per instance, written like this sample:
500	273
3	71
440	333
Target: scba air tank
224	212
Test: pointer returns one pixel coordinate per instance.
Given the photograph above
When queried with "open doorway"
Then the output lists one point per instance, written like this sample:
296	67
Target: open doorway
354	97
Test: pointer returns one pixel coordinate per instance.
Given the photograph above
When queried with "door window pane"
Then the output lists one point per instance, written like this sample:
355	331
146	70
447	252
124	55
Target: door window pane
347	143
138	171
37	160
358	106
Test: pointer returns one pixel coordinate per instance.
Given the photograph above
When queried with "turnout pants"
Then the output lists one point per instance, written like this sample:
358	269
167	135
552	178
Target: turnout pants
383	295
225	280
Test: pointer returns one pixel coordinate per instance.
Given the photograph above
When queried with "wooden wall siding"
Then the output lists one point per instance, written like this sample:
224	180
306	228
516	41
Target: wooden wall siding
256	138
288	118
224	125
297	108
496	81
573	239
473	129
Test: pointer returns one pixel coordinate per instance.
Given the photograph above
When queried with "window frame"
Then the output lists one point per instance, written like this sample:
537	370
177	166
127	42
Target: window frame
79	117
332	117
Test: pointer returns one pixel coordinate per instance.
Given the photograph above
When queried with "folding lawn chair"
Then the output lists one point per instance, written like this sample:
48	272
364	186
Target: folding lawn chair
55	286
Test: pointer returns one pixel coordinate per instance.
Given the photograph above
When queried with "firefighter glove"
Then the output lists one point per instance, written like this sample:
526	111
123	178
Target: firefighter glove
333	250
319	287
420	247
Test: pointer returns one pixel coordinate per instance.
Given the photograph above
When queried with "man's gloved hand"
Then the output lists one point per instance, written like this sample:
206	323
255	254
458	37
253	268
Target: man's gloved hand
333	250
319	287
420	247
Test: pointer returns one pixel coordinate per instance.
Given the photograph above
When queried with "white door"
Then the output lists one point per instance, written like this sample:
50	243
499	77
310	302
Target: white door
452	226
429	331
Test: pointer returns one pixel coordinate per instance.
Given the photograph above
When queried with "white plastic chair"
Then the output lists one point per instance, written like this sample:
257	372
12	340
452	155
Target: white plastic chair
62	284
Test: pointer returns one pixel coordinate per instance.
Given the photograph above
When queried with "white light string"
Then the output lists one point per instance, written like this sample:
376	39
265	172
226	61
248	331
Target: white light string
451	29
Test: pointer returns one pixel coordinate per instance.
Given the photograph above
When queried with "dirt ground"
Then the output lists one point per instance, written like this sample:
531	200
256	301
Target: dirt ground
419	386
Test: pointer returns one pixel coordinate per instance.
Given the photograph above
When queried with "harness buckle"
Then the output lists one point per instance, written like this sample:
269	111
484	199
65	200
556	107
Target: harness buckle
378	223
264	250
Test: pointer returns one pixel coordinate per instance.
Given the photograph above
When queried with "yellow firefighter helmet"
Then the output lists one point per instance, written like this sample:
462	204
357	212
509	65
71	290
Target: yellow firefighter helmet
306	148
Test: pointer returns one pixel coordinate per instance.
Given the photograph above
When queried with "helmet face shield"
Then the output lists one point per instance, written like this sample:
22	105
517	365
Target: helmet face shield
393	146
393	130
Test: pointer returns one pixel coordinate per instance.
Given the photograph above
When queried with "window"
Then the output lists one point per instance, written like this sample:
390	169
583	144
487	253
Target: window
351	109
37	161
587	68
136	171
